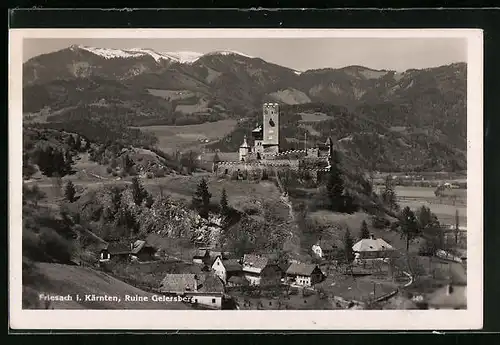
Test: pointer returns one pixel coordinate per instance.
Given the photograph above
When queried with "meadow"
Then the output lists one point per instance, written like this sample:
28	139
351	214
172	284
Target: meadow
189	137
444	207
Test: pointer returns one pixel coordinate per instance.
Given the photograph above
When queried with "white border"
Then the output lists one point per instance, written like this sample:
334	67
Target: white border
472	318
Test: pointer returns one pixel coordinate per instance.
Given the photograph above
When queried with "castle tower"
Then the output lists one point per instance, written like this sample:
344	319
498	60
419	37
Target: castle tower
270	121
244	149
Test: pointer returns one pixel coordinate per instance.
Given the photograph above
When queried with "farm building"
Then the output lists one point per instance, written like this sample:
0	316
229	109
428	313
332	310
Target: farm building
372	248
142	251
304	274
209	293
260	270
117	251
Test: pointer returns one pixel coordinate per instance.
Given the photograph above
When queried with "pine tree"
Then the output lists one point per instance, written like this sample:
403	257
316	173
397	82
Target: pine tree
127	163
348	243
389	195
201	199
409	226
116	199
138	191
70	191
224	207
364	232
335	185
426	219
78	143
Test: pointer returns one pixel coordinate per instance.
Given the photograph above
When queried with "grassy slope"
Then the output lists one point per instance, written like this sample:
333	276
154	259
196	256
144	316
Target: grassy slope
171	138
57	279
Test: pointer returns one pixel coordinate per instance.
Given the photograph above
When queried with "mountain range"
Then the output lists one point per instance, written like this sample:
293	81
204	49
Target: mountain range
142	86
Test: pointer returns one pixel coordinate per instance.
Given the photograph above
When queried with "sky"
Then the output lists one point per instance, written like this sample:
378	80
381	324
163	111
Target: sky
397	54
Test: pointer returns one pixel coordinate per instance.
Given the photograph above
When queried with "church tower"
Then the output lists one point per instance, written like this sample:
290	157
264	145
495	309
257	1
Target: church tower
270	122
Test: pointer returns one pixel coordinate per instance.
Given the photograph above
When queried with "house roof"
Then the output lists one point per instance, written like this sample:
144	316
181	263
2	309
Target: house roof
232	265
238	280
252	262
200	253
178	283
137	246
118	248
371	245
211	283
444	298
301	269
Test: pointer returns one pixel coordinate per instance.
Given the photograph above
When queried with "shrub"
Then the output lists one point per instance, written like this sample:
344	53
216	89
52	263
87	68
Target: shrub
109	170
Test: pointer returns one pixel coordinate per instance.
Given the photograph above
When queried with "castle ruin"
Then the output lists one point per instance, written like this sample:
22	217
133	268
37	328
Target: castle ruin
262	155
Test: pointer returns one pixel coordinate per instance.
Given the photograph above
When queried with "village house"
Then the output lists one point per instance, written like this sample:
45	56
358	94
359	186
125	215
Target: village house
260	270
205	291
372	248
304	274
210	292
451	296
226	269
116	251
207	256
201	256
142	251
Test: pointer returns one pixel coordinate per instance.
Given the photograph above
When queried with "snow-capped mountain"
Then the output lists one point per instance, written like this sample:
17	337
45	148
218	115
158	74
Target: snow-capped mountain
111	53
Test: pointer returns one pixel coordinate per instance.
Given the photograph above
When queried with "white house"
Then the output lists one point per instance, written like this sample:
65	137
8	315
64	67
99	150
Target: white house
323	249
304	274
225	269
372	248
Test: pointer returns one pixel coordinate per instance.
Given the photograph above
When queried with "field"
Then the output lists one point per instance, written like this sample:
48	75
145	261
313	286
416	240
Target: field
172	138
444	207
52	279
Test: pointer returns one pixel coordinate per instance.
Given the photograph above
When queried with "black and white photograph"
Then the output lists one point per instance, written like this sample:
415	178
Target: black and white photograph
215	174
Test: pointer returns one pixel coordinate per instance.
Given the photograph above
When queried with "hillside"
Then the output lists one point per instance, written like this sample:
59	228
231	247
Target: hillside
368	143
401	113
62	280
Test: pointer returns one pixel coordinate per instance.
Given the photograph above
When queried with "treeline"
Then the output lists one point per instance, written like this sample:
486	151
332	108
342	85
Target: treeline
102	131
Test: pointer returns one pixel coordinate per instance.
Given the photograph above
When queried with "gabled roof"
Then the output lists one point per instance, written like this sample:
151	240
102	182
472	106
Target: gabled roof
254	263
211	284
116	248
232	265
371	245
201	253
137	246
301	269
178	283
